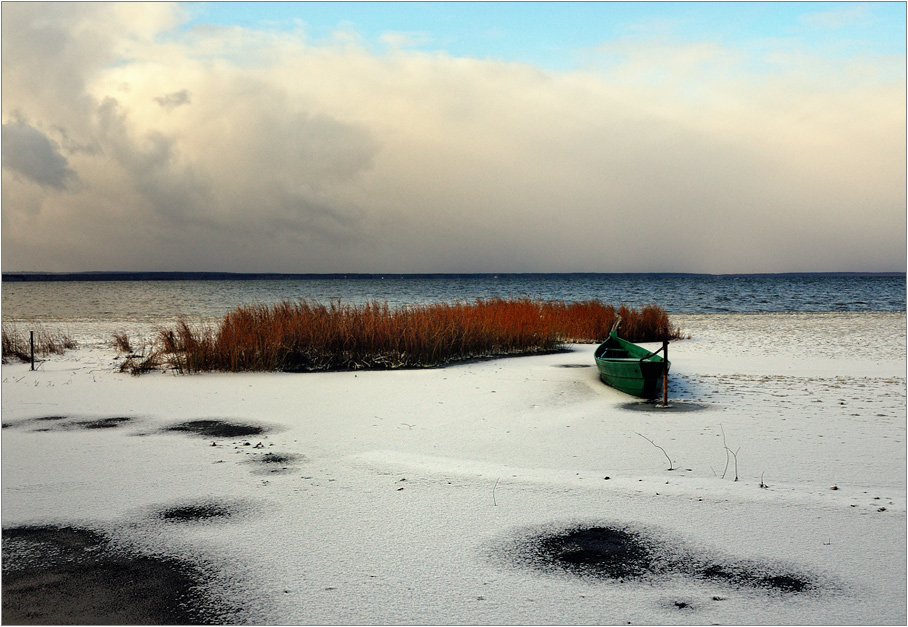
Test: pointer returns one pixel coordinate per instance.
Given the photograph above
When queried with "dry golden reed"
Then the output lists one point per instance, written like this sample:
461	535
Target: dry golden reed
121	342
309	336
17	343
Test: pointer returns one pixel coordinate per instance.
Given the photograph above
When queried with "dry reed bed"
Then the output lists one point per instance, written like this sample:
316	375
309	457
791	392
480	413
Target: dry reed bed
309	336
17	343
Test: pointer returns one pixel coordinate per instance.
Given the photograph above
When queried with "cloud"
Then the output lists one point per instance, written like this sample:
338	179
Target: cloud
838	18
403	40
29	152
176	99
242	150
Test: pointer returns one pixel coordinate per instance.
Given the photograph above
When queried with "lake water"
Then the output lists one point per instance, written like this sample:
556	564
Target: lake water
150	301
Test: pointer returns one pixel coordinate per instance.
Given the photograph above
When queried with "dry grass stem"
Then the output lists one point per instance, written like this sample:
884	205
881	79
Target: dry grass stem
121	342
17	343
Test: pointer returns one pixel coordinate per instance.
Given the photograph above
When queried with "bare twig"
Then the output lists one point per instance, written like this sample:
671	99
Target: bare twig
671	465
725	446
728	452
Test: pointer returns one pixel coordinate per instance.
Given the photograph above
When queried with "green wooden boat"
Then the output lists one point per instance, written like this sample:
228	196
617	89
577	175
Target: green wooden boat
630	368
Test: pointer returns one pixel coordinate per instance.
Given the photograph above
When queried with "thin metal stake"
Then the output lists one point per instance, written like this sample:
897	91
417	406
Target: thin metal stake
31	338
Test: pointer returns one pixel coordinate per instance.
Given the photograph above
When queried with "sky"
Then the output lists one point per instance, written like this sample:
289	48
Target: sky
454	137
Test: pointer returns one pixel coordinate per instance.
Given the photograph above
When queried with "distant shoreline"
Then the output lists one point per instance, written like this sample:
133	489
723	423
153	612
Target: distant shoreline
15	277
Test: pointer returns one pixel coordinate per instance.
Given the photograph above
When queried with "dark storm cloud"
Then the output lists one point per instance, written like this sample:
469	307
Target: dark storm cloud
30	153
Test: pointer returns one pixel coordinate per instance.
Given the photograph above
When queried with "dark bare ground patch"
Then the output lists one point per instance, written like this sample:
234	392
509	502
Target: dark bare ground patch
66	423
195	512
71	575
103	423
674	406
276	462
623	554
43	421
216	429
602	552
754	575
277	458
574	366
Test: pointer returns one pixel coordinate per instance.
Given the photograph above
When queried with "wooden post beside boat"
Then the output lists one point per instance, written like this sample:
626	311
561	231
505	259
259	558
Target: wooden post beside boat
665	374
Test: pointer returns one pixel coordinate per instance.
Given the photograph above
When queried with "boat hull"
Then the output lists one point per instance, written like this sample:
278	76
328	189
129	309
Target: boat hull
630	368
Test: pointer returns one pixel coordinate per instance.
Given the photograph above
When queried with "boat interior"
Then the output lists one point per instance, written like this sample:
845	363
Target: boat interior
613	353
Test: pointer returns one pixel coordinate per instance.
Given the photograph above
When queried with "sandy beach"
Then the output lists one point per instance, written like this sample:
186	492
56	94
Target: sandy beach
507	491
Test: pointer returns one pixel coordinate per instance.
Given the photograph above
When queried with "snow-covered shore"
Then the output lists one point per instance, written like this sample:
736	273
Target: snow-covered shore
423	496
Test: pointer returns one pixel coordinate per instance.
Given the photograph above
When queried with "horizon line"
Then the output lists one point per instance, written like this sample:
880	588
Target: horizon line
176	275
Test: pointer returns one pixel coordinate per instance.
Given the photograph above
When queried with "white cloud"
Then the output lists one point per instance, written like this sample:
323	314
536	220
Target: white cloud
231	149
404	40
839	17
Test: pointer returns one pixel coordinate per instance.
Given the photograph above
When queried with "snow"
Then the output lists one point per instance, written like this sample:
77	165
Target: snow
405	494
